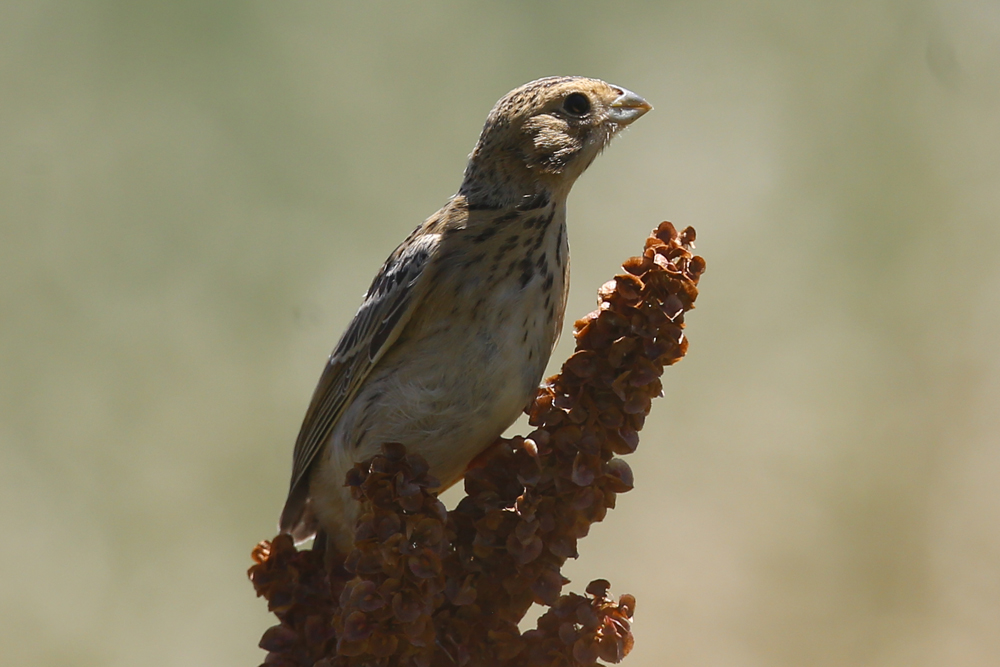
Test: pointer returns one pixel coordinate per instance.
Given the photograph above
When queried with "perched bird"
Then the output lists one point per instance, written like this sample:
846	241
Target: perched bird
453	336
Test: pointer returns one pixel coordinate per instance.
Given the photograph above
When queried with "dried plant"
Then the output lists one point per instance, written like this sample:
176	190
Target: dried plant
432	588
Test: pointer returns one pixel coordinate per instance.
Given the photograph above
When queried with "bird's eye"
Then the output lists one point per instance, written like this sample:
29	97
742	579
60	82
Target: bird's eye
577	104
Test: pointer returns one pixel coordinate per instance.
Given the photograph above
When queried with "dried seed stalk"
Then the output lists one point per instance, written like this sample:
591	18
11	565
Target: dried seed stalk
431	588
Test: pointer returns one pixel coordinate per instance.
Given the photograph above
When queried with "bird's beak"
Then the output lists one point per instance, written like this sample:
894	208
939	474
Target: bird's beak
628	107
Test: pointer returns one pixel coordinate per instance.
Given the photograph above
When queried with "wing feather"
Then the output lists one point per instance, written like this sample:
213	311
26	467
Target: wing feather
387	306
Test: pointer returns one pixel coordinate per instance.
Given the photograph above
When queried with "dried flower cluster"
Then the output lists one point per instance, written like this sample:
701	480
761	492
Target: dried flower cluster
431	588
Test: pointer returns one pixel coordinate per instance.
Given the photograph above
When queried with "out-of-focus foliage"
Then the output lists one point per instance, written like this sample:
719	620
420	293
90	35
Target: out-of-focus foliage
194	195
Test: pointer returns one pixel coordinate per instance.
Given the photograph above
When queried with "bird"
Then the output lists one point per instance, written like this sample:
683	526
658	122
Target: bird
453	336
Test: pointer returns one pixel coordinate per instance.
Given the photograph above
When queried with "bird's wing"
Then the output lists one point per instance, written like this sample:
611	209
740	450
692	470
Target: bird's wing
390	300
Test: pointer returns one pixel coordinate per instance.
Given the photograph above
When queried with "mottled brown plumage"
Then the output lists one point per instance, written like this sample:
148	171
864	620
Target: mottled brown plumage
455	331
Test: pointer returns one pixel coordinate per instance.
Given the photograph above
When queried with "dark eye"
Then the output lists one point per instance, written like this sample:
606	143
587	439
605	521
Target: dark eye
577	104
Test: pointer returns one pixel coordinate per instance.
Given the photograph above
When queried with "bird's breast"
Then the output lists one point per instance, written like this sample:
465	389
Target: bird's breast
473	354
511	290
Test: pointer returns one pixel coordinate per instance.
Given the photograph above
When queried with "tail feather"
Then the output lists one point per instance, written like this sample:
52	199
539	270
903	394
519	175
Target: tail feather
297	518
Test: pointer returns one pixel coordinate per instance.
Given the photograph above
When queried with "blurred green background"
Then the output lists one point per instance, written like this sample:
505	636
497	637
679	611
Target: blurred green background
194	196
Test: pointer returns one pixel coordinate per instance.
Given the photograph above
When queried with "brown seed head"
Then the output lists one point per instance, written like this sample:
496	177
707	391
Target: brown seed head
428	588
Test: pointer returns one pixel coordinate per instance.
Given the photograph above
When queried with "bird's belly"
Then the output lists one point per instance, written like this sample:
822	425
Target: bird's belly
449	396
447	407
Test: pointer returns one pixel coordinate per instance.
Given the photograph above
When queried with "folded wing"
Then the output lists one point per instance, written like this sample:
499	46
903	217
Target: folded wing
392	297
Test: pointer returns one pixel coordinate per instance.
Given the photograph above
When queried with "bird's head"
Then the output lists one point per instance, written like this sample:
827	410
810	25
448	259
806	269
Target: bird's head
543	135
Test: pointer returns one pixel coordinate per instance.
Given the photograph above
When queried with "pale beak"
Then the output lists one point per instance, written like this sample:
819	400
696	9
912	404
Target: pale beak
628	107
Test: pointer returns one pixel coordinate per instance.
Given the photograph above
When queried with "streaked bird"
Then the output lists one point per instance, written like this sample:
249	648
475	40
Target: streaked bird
453	336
